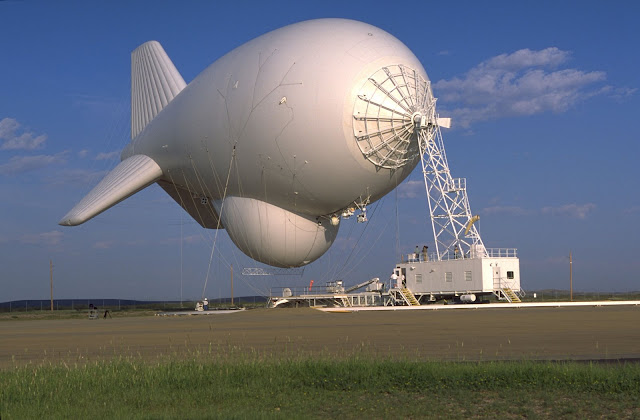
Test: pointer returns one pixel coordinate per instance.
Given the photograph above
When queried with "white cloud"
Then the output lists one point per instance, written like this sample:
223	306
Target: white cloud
108	155
76	177
103	244
557	260
510	210
47	238
621	93
522	83
412	189
13	138
193	239
632	210
189	239
19	164
576	211
8	127
83	153
526	58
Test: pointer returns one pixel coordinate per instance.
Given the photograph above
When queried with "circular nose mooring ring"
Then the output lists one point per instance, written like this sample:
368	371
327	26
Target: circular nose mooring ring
391	106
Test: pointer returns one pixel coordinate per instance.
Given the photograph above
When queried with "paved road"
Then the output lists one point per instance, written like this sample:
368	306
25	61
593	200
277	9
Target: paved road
485	334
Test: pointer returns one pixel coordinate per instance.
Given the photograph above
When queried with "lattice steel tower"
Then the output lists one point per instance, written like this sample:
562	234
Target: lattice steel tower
453	226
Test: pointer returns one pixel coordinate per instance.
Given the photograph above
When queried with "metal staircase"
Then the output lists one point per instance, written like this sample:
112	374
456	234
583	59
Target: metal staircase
510	295
409	297
346	303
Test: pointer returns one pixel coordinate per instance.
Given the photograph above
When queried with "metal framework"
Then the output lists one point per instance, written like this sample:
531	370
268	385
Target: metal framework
454	232
384	114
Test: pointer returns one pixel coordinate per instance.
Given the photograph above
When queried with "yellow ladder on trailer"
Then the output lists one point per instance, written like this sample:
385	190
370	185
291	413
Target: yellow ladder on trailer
510	295
410	297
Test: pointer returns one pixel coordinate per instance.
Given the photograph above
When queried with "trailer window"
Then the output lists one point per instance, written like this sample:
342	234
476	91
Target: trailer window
418	278
467	275
448	276
510	274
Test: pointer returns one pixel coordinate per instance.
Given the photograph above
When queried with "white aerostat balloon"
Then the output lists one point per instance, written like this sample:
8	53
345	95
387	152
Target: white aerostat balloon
278	138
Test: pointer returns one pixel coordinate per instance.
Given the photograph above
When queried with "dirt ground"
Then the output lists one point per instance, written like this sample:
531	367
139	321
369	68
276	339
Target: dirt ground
577	333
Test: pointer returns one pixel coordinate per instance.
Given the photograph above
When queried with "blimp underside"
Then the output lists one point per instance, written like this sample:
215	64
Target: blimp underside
276	139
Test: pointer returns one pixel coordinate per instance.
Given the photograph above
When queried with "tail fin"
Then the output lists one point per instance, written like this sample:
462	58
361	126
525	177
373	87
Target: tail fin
130	176
155	81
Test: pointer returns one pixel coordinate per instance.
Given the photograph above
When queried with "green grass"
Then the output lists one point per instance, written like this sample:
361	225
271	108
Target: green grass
69	314
320	388
81	311
563	296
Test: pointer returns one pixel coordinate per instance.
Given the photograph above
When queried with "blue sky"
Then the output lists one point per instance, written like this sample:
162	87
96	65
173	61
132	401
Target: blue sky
544	97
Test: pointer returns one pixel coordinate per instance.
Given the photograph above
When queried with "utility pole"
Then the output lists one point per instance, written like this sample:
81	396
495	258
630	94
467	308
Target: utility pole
570	277
181	259
231	284
51	281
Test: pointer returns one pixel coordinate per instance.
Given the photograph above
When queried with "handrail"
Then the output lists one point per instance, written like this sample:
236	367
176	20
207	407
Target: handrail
502	252
489	252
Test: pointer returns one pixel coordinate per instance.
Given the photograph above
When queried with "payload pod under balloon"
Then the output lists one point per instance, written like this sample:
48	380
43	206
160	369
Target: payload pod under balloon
278	138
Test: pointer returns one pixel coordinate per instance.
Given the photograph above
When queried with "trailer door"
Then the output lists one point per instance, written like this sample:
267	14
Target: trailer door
497	277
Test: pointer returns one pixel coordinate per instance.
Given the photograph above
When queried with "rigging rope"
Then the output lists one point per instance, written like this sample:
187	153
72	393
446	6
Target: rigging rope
364	255
339	270
224	195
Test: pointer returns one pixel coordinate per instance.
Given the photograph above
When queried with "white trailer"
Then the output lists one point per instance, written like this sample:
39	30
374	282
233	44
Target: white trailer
467	280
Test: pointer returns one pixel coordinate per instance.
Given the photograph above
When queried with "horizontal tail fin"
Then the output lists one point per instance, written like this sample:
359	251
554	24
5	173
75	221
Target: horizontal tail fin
155	81
130	176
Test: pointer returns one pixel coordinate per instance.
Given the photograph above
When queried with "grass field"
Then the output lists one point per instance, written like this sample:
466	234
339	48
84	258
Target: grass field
326	388
303	363
70	314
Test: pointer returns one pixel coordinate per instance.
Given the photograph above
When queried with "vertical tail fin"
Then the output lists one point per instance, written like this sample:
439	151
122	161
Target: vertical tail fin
155	81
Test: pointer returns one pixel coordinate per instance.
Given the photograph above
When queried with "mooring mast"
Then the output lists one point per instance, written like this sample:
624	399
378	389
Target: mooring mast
462	268
453	226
